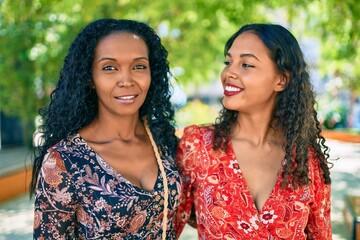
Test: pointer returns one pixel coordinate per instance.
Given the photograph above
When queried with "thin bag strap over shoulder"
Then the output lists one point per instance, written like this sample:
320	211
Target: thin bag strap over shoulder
163	174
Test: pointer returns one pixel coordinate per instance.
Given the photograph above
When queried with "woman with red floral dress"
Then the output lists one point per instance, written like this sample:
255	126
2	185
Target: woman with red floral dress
261	171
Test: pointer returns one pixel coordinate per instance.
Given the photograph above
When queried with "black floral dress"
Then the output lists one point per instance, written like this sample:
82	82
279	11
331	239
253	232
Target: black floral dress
79	196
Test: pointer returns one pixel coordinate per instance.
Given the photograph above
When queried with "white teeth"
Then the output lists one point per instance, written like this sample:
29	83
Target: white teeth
232	89
126	97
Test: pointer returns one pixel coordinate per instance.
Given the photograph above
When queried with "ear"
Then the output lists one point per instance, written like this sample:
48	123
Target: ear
282	82
92	85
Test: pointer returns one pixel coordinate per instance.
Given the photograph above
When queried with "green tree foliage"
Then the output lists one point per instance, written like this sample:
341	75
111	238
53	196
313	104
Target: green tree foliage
337	24
35	36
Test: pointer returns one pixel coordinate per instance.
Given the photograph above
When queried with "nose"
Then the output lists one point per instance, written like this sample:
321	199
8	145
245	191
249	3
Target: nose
230	74
125	80
231	71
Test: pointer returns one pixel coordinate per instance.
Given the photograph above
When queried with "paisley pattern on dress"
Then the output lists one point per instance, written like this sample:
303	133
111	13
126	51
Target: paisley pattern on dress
214	183
80	196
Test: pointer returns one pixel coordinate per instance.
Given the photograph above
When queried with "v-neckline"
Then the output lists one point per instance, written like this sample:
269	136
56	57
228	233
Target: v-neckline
242	177
111	171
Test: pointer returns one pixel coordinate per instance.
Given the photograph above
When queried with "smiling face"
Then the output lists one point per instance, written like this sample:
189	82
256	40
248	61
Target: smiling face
250	78
121	73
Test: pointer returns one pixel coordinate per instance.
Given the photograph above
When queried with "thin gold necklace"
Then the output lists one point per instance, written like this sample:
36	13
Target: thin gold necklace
163	174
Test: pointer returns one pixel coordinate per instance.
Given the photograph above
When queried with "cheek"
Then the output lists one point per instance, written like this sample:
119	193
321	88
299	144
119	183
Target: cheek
146	85
102	87
223	76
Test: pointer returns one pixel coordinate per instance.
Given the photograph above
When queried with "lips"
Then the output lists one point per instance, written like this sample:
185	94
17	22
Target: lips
126	99
231	90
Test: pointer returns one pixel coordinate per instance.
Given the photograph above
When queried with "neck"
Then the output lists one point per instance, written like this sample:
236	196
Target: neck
256	129
124	128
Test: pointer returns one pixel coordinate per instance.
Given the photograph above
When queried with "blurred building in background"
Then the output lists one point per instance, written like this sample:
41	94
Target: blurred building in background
11	132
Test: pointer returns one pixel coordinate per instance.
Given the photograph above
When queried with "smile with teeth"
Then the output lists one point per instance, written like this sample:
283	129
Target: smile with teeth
126	99
230	90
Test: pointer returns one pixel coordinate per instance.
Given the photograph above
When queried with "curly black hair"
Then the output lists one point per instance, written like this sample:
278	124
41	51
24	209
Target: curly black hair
73	103
294	113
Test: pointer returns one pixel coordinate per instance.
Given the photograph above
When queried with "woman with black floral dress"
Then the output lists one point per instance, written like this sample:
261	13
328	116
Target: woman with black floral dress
106	167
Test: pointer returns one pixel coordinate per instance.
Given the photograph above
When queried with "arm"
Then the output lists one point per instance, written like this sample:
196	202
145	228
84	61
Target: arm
319	222
54	215
185	163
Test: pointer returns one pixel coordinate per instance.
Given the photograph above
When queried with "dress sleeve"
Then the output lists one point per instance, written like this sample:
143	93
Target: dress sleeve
319	222
54	213
186	163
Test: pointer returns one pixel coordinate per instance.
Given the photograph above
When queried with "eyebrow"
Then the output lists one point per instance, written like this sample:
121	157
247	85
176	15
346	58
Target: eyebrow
113	59
245	55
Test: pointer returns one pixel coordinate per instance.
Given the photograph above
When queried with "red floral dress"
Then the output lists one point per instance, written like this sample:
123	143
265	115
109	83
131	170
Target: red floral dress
214	183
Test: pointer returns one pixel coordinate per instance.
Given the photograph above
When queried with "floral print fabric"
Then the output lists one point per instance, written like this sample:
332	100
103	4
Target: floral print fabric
79	196
213	182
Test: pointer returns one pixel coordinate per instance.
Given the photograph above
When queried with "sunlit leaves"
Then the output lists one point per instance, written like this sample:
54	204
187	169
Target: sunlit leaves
35	36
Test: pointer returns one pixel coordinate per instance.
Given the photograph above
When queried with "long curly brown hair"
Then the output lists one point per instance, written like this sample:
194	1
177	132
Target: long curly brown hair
294	113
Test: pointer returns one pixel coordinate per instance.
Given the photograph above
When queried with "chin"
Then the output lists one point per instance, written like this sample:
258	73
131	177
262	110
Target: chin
229	105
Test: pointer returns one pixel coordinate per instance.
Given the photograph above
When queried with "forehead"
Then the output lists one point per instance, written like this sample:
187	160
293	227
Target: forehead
124	42
249	42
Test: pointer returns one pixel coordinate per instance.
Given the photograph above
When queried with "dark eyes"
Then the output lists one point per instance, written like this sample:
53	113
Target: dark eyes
140	67
108	68
244	65
136	67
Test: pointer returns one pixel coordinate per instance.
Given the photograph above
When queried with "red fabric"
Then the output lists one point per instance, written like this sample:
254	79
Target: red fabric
212	180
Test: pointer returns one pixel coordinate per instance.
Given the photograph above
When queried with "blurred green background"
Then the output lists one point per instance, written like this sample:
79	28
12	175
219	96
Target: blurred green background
35	36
